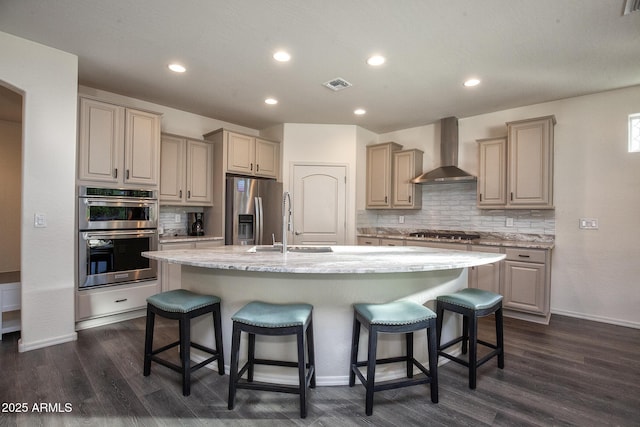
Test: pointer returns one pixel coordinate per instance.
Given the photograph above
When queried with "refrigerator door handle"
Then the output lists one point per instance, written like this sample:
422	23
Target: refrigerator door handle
259	221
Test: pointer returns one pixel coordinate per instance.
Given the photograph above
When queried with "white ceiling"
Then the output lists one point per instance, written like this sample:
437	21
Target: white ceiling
525	52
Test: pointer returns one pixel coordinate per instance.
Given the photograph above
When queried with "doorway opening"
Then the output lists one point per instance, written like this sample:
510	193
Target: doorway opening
10	207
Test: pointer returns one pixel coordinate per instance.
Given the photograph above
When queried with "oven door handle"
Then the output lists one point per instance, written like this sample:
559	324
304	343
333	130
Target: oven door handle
119	202
87	235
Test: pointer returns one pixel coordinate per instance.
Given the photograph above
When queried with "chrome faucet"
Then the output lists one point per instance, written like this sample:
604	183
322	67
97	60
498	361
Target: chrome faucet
286	219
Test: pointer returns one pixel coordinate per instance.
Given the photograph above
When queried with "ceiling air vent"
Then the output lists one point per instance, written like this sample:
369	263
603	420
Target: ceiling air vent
631	6
337	84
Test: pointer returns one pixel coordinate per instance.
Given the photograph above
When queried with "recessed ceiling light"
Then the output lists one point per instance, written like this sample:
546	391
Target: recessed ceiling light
376	60
281	56
177	68
359	111
472	83
271	101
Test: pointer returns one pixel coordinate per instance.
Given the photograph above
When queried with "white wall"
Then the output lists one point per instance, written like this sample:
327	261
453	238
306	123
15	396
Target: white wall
595	273
48	80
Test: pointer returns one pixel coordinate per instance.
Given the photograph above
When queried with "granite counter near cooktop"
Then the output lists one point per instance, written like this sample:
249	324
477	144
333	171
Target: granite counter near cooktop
182	239
514	240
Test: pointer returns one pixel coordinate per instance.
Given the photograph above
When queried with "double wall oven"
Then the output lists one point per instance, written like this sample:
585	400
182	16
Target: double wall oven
114	227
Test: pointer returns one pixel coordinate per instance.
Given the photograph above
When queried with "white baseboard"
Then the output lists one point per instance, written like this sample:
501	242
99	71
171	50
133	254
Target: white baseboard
107	320
601	319
22	346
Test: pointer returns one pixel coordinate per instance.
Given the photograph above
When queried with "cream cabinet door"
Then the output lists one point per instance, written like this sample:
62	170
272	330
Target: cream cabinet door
379	170
531	162
101	141
199	173
492	172
172	172
267	158
240	153
407	165
524	286
142	145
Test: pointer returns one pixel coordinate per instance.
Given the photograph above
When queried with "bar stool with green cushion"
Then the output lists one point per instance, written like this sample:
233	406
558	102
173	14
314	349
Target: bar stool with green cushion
263	318
397	317
183	305
472	303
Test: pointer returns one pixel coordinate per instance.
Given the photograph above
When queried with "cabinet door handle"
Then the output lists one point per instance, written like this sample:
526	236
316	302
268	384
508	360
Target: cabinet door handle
180	194
188	194
251	166
115	173
409	199
480	196
121	300
512	196
385	199
127	174
367	243
257	167
524	256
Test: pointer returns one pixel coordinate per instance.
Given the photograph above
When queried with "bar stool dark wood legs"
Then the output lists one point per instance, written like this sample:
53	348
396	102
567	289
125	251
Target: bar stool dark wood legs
472	303
183	305
273	319
400	317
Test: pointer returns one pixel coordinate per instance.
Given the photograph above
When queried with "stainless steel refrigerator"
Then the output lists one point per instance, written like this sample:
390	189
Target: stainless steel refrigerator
253	211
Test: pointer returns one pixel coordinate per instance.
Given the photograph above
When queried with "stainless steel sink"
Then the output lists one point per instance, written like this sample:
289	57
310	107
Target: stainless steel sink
301	249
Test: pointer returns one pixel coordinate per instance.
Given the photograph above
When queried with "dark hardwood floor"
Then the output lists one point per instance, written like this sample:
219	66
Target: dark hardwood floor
572	372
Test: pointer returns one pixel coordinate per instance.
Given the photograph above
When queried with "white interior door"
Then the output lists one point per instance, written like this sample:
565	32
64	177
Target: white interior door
319	204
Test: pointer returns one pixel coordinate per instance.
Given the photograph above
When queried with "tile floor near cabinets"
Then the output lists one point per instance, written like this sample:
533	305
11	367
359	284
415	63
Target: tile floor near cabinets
572	372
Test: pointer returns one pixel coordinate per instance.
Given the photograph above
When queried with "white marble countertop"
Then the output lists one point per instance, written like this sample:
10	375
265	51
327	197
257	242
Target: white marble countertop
342	260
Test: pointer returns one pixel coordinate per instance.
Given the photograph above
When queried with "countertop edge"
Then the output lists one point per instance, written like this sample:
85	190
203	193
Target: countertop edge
525	244
181	239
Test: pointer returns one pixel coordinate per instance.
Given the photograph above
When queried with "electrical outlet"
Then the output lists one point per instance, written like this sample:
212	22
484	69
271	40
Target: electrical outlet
588	223
400	219
509	222
177	218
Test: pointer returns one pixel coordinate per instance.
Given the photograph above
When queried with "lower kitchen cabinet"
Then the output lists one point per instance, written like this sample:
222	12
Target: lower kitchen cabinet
93	303
526	282
368	241
488	276
391	242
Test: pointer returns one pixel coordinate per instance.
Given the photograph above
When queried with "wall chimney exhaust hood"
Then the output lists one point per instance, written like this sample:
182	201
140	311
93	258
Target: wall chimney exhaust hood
448	170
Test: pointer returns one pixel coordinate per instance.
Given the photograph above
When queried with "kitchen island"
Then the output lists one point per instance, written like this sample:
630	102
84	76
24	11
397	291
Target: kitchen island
331	279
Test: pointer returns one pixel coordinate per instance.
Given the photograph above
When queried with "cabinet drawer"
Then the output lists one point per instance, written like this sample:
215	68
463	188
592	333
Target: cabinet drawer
368	241
103	302
526	255
391	242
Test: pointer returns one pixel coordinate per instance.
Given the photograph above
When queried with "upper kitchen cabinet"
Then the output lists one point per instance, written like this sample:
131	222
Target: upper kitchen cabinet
186	171
379	174
407	164
528	180
118	145
250	155
492	172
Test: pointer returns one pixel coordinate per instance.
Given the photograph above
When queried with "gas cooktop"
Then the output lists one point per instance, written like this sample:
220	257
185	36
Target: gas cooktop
445	235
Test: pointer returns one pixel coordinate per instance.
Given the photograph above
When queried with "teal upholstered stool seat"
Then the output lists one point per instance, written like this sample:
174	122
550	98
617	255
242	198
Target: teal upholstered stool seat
273	315
263	318
181	301
404	317
472	303
183	305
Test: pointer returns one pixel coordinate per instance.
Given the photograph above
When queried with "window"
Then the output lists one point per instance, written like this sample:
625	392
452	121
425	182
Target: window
634	133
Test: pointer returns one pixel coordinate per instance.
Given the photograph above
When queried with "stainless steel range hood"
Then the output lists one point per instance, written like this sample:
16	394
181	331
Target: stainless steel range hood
448	170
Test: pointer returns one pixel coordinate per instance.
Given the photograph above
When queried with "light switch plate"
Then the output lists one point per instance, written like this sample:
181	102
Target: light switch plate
588	223
39	220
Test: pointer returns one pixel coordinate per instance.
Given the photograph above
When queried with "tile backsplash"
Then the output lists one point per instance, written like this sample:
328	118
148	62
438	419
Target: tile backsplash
452	206
173	220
